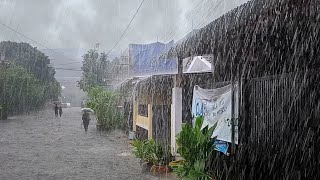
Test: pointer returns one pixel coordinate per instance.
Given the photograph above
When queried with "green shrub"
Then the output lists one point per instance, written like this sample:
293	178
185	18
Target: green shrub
156	152
195	146
150	151
104	104
140	149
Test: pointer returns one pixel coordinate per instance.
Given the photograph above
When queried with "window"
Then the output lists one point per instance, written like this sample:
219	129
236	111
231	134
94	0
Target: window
143	110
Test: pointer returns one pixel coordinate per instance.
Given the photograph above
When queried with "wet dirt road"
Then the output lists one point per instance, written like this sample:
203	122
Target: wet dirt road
41	146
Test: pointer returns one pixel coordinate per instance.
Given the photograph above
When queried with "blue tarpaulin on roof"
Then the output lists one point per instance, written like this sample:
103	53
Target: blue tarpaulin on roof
146	61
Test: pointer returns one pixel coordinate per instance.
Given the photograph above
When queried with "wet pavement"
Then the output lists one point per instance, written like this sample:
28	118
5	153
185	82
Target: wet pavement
41	146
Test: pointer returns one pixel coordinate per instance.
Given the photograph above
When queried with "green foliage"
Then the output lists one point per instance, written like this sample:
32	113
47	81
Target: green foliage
22	91
96	69
195	145
150	151
30	58
142	150
3	111
104	103
156	152
26	80
139	148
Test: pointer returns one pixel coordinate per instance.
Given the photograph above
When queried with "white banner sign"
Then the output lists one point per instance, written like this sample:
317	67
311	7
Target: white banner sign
215	106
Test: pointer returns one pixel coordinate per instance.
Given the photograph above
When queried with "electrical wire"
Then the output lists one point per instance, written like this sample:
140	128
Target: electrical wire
126	28
68	69
182	22
36	42
205	14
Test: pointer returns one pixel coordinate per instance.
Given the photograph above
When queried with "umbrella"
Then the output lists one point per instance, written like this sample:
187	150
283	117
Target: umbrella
86	110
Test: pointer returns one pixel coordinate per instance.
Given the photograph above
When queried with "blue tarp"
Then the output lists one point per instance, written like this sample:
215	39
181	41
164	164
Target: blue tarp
145	59
221	146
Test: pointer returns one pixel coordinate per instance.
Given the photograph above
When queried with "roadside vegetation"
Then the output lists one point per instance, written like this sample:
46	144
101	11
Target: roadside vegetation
27	81
195	146
154	156
104	102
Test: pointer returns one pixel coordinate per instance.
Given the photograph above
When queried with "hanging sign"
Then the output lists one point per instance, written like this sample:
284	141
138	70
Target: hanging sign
215	106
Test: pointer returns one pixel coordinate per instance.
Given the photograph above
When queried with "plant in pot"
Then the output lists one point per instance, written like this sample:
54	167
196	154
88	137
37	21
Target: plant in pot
142	150
195	146
160	158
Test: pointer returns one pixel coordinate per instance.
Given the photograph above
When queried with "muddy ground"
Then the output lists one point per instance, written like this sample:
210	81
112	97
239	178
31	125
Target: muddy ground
41	146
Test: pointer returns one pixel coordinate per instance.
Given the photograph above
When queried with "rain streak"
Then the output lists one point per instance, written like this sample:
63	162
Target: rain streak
152	89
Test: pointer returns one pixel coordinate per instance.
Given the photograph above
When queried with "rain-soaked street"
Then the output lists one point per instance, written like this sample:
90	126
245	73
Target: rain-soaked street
208	89
40	146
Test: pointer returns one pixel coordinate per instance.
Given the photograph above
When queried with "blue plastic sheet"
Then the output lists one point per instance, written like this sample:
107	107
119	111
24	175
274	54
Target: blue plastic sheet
146	61
221	146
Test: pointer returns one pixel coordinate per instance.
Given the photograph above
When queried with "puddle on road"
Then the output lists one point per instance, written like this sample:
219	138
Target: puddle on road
124	154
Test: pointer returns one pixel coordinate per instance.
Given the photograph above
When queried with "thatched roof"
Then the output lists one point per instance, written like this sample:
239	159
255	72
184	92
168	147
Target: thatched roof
280	34
253	14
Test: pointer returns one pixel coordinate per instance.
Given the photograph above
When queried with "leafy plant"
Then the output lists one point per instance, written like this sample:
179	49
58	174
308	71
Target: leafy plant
150	151
96	69
156	152
139	149
195	145
104	104
143	149
26	80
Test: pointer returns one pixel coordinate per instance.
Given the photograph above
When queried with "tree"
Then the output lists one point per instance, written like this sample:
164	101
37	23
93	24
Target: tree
26	80
96	69
104	104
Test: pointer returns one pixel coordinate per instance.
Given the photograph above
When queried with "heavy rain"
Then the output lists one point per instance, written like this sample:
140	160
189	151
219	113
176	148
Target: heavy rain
160	89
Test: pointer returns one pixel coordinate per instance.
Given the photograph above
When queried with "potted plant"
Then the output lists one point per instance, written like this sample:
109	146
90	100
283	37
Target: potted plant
160	158
153	155
195	146
142	151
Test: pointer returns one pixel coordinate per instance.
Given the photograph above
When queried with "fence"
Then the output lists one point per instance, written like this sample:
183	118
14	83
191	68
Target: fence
161	124
279	129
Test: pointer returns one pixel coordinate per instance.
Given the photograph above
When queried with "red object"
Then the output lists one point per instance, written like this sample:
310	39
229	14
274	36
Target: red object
159	169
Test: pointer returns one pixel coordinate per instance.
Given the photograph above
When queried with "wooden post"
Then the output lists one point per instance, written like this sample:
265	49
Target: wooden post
232	120
149	121
135	114
176	108
232	113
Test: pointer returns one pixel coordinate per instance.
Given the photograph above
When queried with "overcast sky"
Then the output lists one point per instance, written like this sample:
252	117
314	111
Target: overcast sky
82	23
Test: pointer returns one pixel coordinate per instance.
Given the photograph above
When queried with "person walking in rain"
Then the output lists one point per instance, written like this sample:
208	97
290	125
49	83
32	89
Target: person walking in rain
60	111
56	110
86	120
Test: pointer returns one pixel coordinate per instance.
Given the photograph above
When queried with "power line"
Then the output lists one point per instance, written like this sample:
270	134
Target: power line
120	36
209	11
35	41
68	69
182	22
69	63
126	28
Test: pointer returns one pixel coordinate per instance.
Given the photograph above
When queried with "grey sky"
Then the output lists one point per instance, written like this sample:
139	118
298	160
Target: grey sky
82	23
